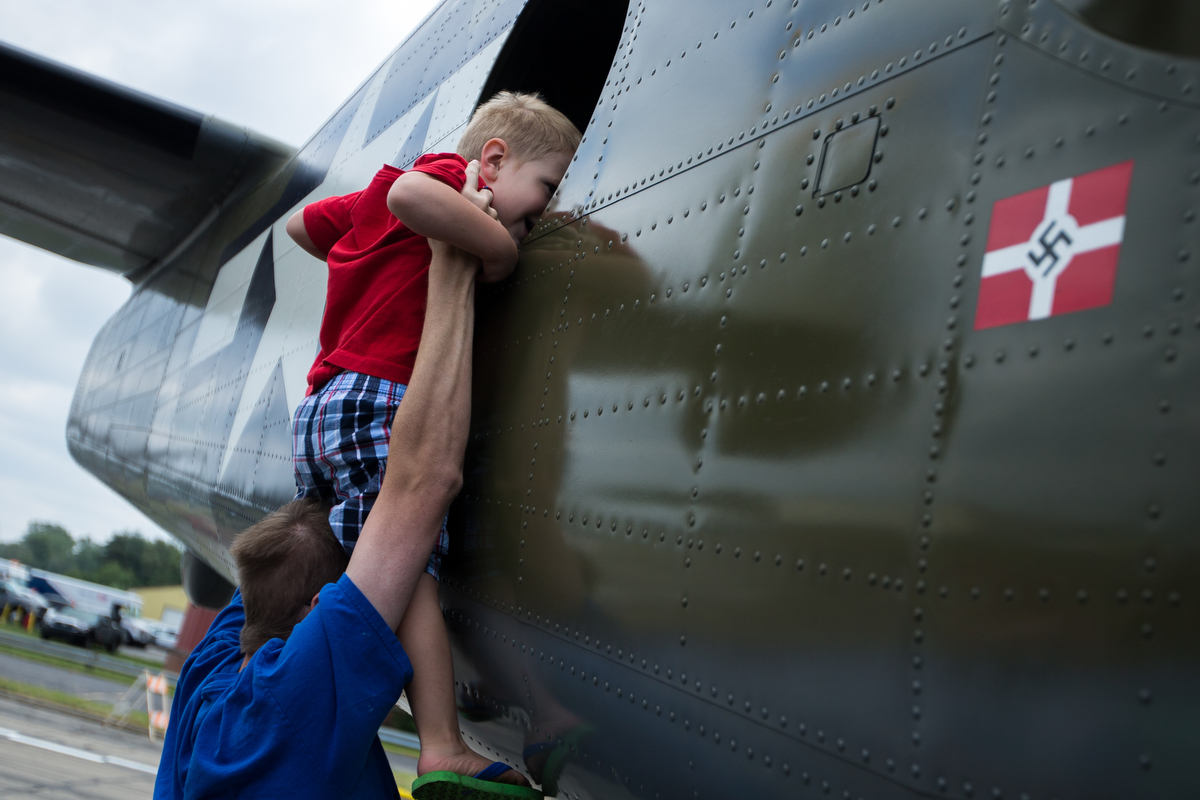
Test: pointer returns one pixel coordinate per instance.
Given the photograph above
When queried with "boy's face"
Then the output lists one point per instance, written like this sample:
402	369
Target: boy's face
521	190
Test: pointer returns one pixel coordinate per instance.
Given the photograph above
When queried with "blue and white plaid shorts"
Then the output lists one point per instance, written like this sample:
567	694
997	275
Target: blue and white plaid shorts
340	450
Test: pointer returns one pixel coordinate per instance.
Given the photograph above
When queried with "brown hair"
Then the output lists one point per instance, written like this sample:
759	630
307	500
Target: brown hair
282	561
529	125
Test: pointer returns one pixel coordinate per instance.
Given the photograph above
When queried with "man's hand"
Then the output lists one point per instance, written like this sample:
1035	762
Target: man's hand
496	269
465	219
480	198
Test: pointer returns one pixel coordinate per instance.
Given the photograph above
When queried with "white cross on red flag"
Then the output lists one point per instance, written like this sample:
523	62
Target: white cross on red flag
1054	250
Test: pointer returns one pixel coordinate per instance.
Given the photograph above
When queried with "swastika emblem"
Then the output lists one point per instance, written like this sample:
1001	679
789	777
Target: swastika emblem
1054	250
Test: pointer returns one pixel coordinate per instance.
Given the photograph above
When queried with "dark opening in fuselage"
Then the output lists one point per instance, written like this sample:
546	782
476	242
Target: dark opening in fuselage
563	50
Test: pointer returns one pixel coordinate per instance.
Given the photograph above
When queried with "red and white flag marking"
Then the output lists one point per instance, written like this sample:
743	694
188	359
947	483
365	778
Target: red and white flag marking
1054	250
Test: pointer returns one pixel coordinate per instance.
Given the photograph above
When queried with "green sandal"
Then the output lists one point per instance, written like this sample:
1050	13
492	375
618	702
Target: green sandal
452	786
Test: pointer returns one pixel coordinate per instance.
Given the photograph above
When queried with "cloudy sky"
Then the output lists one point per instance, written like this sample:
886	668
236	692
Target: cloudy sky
279	67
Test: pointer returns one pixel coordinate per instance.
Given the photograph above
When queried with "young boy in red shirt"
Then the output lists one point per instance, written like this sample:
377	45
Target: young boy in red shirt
376	244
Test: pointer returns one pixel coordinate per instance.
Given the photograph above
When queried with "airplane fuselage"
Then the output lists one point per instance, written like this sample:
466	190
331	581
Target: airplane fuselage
836	434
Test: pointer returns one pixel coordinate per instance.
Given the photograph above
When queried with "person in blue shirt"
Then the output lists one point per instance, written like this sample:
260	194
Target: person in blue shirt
285	694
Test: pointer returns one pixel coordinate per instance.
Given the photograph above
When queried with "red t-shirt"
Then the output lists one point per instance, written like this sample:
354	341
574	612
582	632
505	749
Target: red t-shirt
378	277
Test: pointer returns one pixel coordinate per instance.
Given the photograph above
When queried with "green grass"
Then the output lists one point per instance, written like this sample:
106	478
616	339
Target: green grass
13	627
69	701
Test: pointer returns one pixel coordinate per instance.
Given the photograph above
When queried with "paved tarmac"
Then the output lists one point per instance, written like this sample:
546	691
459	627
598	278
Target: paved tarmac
47	754
64	680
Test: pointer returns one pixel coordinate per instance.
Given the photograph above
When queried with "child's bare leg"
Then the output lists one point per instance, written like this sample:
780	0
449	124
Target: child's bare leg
431	692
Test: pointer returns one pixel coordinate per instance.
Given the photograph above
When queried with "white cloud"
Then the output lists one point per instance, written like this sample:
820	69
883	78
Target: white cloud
280	68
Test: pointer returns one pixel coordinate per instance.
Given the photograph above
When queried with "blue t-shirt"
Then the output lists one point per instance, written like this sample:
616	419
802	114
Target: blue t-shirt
301	720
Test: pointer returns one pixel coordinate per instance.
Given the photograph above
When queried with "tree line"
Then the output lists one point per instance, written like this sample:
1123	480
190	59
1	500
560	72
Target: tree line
127	560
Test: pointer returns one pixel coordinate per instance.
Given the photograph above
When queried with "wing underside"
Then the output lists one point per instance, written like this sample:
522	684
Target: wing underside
110	177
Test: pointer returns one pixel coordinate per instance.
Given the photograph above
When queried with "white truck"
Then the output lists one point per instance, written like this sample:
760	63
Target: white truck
61	590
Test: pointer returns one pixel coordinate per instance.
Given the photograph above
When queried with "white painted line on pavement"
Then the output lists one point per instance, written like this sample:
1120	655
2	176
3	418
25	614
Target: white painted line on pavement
125	762
84	755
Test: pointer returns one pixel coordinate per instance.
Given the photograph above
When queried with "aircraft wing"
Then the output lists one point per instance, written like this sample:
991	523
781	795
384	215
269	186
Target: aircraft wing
111	177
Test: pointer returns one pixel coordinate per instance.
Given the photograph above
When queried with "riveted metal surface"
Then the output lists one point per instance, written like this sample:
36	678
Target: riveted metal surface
757	504
445	40
786	57
1076	399
721	475
794	437
1061	35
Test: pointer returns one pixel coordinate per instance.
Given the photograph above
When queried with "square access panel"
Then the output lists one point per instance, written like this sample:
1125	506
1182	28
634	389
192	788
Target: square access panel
846	157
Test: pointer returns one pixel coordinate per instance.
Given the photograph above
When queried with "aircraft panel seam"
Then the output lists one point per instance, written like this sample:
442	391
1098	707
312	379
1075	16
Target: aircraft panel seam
582	211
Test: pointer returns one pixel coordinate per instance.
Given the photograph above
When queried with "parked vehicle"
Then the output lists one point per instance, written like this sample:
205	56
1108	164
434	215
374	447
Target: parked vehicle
6	595
164	635
14	571
85	594
82	627
136	632
20	599
55	600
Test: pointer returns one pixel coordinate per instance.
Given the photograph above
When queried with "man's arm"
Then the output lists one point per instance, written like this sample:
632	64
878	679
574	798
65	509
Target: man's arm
429	437
434	210
299	234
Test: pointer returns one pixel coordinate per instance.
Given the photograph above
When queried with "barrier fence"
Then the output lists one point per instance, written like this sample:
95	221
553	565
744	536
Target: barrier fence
77	655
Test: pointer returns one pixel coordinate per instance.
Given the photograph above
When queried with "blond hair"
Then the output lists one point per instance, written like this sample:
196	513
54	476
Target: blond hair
282	561
529	125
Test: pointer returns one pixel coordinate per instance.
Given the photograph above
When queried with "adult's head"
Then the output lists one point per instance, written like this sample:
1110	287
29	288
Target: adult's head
283	561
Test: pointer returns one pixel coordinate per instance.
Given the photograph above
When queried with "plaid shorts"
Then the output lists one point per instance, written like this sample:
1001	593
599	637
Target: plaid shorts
340	450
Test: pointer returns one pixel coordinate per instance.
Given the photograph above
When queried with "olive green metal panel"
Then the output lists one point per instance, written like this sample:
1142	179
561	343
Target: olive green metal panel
746	493
1061	531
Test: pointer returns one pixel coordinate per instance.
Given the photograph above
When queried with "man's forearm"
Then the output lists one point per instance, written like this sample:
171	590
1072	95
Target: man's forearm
430	427
429	436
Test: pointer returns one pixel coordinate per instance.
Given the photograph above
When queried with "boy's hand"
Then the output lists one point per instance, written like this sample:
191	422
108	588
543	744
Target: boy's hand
493	270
